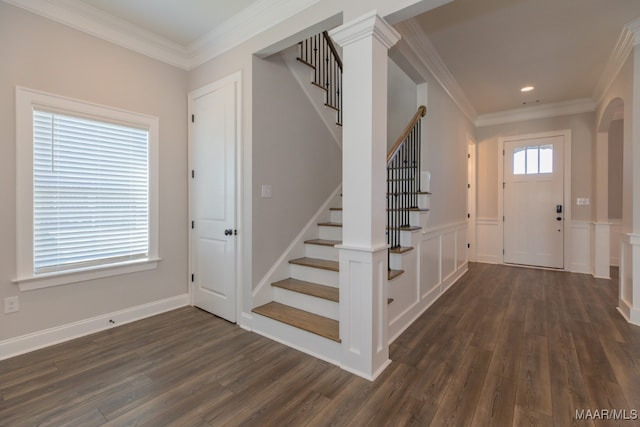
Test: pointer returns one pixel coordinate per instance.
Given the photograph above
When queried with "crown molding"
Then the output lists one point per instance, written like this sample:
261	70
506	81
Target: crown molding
614	64
88	19
260	16
417	49
576	106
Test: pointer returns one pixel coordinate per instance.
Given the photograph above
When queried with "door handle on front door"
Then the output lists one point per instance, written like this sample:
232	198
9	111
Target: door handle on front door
228	232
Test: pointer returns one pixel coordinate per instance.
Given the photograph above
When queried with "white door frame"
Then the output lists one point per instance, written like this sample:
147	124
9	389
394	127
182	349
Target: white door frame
237	79
472	195
566	133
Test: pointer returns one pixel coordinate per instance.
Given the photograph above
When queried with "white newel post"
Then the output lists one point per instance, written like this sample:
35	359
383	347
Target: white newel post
629	292
363	253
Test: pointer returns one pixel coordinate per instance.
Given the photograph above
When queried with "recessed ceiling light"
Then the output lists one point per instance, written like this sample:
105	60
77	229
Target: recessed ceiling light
527	89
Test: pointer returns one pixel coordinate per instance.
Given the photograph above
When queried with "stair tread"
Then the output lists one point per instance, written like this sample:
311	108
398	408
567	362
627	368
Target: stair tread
426	193
401	249
393	274
330	224
409	209
317	263
309	288
306	63
335	209
406	228
319	325
323	242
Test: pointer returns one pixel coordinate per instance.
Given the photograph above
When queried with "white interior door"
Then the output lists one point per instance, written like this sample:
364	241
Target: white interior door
533	202
213	139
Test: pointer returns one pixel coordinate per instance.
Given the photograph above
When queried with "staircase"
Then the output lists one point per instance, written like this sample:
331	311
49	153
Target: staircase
307	298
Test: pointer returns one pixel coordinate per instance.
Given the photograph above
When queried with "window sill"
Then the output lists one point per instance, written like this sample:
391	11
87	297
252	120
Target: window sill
30	283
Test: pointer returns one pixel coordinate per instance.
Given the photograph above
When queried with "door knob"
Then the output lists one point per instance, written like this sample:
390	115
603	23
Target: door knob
228	232
559	218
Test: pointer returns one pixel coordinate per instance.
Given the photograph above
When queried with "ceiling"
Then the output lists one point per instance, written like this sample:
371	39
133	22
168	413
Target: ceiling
495	47
491	48
181	21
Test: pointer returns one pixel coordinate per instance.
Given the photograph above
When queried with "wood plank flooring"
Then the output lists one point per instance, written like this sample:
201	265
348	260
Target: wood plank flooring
504	346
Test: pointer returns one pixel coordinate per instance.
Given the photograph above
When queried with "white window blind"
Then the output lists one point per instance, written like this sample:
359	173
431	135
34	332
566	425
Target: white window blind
90	192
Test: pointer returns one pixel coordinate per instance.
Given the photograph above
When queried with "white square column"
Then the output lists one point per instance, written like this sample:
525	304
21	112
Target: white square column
629	285
363	253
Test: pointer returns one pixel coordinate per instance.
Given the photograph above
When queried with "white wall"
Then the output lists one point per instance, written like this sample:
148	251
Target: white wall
46	56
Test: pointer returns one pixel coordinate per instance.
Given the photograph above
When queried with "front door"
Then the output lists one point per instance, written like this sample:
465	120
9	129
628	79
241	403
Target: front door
534	202
212	143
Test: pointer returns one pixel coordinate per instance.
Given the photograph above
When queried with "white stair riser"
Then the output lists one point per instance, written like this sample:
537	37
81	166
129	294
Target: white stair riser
414	217
336	216
308	303
330	233
321	252
315	275
395	261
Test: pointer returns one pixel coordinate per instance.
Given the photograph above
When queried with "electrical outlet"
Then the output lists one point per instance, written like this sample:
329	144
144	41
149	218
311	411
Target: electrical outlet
11	305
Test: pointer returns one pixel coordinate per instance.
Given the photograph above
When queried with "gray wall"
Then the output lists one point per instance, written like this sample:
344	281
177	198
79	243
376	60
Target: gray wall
46	56
294	152
401	101
616	131
582	135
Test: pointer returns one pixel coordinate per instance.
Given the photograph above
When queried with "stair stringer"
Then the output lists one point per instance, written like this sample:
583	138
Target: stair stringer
303	75
280	270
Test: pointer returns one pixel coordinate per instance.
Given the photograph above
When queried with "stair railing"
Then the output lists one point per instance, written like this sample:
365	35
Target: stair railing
403	179
321	54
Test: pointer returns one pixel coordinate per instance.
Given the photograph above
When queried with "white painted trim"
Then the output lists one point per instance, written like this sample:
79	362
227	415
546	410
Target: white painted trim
236	79
251	21
576	106
472	196
369	24
416	48
37	340
580	257
567	187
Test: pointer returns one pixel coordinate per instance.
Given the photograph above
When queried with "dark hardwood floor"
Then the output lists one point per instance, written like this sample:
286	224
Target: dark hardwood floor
504	346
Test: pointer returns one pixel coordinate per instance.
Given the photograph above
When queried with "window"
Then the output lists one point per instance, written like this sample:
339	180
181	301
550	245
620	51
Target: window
87	190
533	160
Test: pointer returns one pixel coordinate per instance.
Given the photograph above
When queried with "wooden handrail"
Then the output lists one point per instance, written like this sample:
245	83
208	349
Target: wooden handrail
422	110
334	51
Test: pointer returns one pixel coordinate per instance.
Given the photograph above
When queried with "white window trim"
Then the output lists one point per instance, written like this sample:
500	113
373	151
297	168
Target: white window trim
26	100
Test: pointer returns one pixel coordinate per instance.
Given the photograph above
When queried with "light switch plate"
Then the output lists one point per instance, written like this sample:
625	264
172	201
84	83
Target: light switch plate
266	191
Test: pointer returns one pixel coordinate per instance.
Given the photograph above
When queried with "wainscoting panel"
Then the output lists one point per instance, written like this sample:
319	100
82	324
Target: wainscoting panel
616	234
441	259
489	248
580	255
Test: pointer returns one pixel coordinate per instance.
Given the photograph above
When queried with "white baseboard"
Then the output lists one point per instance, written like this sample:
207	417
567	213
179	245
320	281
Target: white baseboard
37	340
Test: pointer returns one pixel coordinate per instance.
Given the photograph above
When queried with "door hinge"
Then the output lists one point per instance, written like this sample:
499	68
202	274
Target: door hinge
193	277
193	173
468	156
193	225
468	215
503	252
468	185
503	152
503	219
468	245
193	118
503	185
